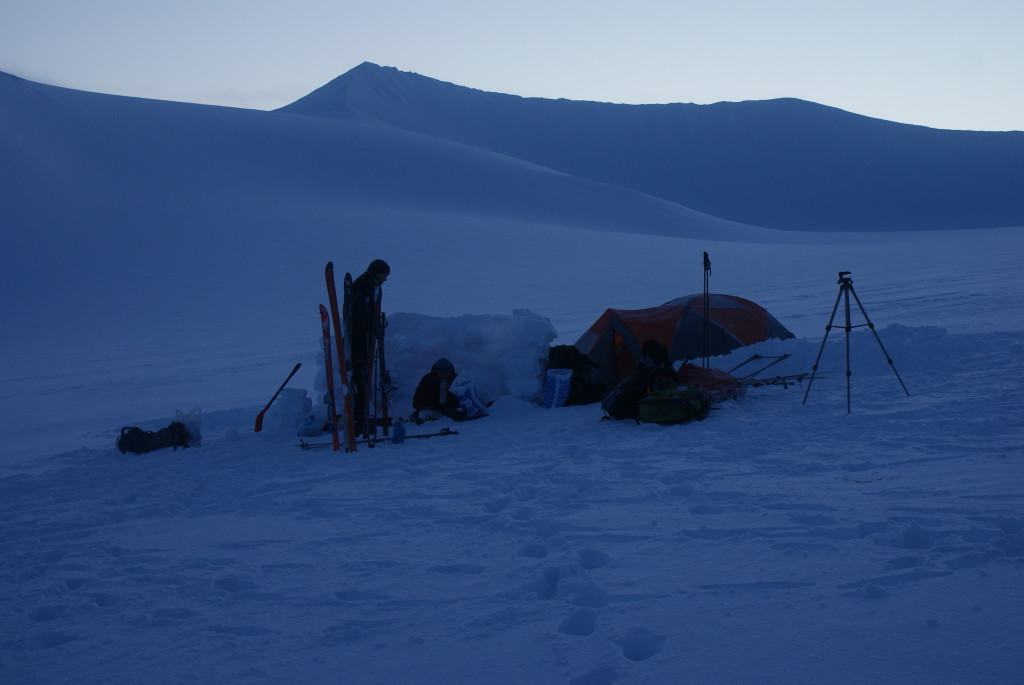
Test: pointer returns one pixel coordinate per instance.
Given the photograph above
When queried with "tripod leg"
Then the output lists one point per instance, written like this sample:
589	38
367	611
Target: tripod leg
846	289
828	327
887	357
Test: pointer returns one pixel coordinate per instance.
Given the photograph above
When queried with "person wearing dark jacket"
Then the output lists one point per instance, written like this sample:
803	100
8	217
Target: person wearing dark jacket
432	398
653	372
365	331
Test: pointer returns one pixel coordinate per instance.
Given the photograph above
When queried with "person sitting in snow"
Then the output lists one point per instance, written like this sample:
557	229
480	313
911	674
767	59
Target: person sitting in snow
653	372
655	364
434	396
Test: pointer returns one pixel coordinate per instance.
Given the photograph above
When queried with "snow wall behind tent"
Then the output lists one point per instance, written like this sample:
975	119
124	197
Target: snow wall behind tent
505	355
615	339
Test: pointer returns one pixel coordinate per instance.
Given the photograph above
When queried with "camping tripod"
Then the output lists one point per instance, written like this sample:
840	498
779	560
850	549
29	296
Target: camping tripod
845	290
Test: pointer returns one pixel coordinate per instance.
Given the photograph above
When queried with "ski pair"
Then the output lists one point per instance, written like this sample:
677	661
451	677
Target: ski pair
347	367
344	374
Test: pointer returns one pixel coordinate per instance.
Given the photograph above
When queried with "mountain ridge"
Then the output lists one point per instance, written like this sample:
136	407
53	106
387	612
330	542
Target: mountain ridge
71	158
784	163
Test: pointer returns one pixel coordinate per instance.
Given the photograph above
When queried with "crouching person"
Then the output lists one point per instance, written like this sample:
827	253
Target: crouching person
439	394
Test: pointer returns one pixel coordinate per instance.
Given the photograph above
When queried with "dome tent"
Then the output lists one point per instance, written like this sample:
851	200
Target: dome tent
613	342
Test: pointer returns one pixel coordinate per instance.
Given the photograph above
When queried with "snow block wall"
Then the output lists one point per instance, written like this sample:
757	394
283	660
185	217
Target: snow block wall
505	355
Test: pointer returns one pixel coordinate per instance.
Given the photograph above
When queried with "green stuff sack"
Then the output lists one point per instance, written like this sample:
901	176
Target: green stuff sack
678	403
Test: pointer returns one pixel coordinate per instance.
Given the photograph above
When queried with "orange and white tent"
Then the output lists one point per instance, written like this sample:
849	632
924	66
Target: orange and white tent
613	342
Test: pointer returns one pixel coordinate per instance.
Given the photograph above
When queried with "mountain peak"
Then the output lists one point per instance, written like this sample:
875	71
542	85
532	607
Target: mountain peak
363	84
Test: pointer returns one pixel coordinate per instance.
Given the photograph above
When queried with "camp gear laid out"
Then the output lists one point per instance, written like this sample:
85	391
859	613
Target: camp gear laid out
184	431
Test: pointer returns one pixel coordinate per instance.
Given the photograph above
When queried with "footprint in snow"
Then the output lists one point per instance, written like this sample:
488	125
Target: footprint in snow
544	587
640	644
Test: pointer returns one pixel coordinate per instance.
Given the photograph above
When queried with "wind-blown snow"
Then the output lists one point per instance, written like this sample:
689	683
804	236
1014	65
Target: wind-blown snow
160	257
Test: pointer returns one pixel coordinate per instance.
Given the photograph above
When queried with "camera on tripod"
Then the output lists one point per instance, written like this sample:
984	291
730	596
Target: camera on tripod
845	289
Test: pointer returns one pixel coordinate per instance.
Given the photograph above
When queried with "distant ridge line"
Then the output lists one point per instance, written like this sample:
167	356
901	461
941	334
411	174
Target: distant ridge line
784	163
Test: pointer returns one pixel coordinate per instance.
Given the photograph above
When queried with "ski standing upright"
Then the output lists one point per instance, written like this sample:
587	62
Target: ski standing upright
332	415
344	371
357	382
385	377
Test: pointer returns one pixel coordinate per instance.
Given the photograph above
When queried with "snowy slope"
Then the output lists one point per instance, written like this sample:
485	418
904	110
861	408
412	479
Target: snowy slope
121	213
161	256
783	163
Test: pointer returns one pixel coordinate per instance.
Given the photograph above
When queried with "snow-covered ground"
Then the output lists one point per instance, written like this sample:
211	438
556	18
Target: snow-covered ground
776	542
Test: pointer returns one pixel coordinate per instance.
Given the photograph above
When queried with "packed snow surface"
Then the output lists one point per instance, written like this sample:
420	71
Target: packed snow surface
778	541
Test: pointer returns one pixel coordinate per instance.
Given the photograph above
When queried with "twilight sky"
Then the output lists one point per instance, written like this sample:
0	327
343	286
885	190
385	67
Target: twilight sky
941	63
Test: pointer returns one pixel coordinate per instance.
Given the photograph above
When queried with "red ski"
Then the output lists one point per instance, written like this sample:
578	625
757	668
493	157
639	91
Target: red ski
343	370
332	414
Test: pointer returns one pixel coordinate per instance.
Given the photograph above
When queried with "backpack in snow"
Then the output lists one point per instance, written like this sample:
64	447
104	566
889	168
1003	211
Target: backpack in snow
622	402
137	441
653	373
678	403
